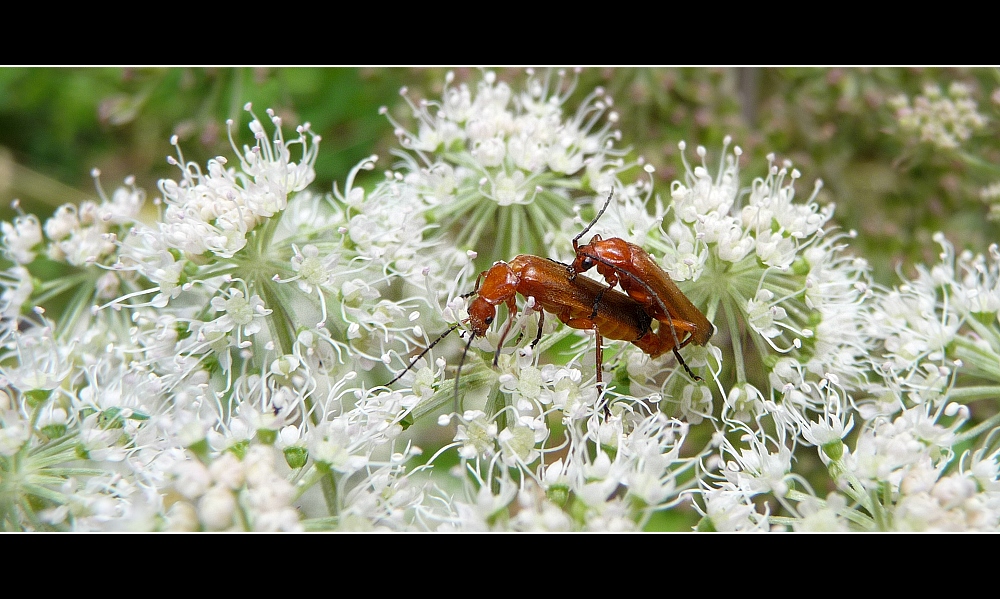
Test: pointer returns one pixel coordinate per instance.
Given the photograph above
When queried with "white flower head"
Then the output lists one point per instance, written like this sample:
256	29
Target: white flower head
239	312
477	434
942	118
493	154
21	238
757	259
214	211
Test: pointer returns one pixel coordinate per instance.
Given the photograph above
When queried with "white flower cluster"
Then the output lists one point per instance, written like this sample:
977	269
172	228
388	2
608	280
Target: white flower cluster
214	211
615	475
242	369
230	491
942	119
496	157
936	346
78	236
773	277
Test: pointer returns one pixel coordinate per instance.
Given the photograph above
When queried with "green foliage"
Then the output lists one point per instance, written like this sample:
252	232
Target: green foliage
56	124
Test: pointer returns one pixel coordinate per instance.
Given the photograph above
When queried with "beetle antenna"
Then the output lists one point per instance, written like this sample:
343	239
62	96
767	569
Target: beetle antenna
594	222
421	355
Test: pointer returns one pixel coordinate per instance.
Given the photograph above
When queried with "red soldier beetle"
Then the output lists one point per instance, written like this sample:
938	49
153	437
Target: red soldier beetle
580	303
631	267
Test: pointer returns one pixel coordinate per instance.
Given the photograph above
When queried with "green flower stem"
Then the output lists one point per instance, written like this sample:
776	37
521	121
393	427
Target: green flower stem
329	488
28	512
987	331
856	490
977	430
983	166
985	361
242	515
312	476
476	377
323	475
77	310
510	220
206	273
264	235
482	215
862	520
731	310
320	524
55	287
969	394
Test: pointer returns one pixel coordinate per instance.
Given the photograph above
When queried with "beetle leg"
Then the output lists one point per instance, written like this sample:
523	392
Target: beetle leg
599	363
475	290
511	314
597	301
680	360
541	322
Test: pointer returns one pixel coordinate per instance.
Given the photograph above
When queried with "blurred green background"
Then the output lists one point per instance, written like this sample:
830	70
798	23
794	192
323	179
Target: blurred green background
836	124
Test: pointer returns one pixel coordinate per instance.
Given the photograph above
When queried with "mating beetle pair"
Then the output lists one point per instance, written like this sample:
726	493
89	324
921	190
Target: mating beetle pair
584	303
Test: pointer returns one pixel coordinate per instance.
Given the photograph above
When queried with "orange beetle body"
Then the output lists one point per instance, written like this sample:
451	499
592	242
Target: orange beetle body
580	303
628	265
